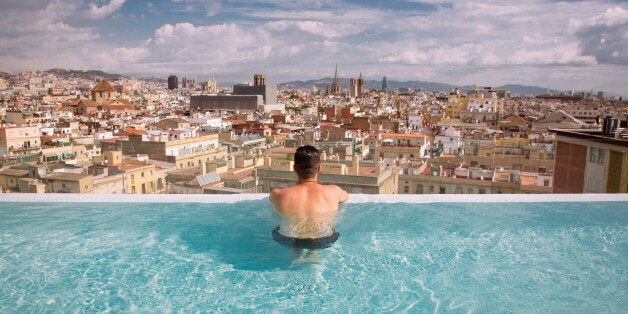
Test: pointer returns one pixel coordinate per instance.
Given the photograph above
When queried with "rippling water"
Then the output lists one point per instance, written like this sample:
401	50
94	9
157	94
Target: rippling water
435	257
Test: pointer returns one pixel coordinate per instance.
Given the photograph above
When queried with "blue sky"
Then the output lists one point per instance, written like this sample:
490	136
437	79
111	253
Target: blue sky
568	45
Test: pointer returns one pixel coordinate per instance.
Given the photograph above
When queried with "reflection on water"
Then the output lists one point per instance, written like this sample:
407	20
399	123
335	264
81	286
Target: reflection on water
309	224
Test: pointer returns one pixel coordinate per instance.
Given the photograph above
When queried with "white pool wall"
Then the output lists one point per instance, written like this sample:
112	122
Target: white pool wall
353	198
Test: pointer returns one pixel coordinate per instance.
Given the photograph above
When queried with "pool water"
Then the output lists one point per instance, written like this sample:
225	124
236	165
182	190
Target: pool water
428	257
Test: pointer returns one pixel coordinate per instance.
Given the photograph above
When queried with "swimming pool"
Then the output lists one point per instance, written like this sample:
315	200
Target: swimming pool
428	254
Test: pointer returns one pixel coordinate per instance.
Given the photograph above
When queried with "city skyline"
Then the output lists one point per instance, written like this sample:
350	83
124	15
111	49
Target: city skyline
563	45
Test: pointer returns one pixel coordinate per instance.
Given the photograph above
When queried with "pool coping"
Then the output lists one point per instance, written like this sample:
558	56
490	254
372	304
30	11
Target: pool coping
353	198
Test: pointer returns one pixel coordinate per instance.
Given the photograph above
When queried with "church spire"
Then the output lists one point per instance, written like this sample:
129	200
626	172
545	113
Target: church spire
335	85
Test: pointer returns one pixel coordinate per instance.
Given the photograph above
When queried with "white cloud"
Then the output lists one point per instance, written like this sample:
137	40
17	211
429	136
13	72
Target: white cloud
96	12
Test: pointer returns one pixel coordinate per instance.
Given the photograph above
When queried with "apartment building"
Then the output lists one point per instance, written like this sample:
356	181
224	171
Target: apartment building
513	153
591	161
19	140
184	153
401	146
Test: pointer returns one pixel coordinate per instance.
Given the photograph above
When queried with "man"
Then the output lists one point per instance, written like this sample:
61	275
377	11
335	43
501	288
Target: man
308	208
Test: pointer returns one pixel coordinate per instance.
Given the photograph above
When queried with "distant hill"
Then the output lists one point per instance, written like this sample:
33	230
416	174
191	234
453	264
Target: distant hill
321	84
88	75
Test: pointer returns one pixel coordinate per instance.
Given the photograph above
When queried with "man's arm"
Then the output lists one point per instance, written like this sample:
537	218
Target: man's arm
343	196
275	195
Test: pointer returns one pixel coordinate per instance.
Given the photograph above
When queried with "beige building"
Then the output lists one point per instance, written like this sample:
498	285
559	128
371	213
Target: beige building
515	154
401	146
103	91
455	105
19	140
136	175
10	177
60	182
184	153
516	183
138	179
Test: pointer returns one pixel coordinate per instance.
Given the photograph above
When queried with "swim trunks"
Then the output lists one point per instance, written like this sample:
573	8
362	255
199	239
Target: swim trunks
305	243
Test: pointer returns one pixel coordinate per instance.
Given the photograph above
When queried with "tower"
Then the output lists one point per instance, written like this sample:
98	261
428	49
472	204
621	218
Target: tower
385	85
259	80
356	86
173	82
353	87
360	85
335	85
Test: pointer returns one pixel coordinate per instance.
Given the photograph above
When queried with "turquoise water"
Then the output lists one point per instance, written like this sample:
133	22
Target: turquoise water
434	257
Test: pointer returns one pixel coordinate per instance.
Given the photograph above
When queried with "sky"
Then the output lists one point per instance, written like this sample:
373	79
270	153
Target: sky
566	45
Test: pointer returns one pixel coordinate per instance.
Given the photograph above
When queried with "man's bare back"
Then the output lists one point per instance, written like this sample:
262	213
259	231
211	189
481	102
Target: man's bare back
308	208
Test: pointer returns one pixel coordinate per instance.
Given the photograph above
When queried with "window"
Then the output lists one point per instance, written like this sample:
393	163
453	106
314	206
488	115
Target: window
142	174
546	182
597	155
406	189
419	189
482	191
431	189
87	187
442	190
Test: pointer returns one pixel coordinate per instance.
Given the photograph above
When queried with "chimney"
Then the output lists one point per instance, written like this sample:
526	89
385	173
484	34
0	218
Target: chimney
355	168
379	168
203	167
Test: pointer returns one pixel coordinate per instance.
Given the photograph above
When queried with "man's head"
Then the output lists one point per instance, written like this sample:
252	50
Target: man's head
307	160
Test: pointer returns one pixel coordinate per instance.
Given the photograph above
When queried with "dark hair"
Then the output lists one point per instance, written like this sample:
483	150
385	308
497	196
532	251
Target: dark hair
306	161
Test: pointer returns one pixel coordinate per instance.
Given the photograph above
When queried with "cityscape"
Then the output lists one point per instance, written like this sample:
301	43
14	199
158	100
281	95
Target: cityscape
66	131
468	156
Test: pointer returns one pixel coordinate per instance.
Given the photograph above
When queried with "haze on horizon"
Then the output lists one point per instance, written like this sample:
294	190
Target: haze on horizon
566	45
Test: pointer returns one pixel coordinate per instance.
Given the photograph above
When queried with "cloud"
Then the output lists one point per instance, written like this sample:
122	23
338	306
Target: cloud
99	13
605	36
489	42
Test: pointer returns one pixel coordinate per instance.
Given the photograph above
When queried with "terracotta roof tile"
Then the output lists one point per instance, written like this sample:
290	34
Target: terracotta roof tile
103	86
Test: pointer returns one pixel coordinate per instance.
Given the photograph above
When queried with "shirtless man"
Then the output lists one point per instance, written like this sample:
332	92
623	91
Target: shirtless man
308	208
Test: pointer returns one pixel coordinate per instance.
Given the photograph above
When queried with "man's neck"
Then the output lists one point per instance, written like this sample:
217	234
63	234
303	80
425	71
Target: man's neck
299	181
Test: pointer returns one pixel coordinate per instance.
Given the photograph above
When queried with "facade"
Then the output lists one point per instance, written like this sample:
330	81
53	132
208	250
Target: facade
401	146
15	141
63	182
239	103
436	184
184	153
138	179
591	162
455	105
515	154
